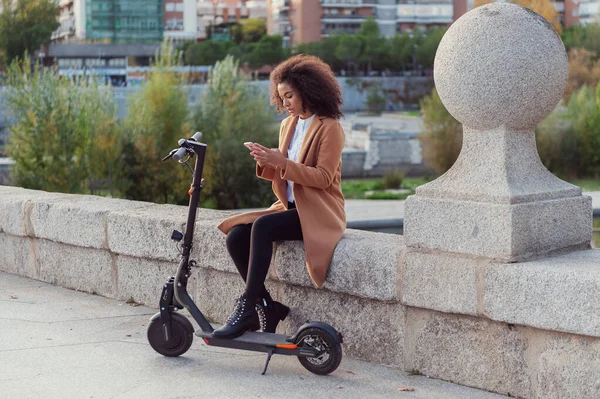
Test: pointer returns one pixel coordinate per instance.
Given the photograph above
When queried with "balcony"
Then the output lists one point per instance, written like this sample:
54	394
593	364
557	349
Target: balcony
425	13
280	5
340	18
348	3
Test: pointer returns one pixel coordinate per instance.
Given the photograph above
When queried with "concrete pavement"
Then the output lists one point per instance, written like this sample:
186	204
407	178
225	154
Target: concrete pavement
59	343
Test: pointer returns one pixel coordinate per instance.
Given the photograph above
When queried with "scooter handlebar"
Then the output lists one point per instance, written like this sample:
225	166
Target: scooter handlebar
181	152
178	156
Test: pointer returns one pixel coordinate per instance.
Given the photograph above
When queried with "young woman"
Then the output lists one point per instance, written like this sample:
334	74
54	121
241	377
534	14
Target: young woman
305	171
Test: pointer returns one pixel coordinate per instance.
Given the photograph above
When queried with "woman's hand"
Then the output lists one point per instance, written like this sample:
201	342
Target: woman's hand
268	156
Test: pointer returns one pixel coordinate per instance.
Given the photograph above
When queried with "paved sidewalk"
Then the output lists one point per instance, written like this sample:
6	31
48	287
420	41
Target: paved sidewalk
58	343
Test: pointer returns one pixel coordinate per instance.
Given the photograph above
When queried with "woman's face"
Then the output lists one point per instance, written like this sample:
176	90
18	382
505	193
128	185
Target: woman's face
292	102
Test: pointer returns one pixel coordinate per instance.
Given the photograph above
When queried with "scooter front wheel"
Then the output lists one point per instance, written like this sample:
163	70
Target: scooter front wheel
328	348
182	336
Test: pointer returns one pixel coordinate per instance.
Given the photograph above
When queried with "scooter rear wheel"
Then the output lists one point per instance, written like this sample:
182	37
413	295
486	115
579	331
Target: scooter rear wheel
330	351
182	331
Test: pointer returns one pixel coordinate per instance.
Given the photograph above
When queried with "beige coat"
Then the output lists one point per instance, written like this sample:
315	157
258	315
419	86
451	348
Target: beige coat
317	191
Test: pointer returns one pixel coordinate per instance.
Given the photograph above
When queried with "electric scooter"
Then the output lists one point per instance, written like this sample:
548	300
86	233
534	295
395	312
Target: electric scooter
317	345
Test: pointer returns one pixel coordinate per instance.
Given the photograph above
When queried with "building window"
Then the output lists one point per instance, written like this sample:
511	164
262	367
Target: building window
117	62
95	62
69	62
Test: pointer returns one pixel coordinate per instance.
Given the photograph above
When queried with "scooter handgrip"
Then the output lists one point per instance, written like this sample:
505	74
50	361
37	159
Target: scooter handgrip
180	154
197	136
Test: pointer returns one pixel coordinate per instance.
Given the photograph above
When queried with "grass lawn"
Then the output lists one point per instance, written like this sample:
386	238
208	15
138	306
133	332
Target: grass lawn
356	188
587	184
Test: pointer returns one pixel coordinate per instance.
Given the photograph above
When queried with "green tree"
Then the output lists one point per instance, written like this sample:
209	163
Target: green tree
373	45
427	47
324	49
207	52
62	128
231	112
253	29
348	50
585	36
157	118
441	135
268	51
568	139
584	70
400	49
26	26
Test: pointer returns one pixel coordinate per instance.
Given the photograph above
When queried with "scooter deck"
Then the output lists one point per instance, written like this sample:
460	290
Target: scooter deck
250	337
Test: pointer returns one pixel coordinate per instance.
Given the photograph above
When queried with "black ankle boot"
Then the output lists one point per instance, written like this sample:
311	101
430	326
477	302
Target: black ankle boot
243	318
270	313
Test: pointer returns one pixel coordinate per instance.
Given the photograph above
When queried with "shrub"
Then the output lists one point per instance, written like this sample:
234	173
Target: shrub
64	130
569	139
441	135
375	99
393	180
231	112
156	119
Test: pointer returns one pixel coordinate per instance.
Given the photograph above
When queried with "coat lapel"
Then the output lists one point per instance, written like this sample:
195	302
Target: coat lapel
287	136
279	185
310	135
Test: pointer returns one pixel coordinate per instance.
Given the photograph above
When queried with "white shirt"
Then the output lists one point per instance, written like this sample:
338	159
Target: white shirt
294	148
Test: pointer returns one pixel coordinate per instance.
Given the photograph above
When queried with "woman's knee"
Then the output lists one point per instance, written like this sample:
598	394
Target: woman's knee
237	236
263	226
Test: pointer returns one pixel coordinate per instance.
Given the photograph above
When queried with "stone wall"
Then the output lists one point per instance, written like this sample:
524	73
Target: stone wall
381	150
530	329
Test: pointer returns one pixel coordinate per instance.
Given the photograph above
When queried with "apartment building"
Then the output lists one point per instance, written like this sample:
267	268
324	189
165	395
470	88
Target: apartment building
180	20
301	21
215	12
573	12
123	21
66	18
111	21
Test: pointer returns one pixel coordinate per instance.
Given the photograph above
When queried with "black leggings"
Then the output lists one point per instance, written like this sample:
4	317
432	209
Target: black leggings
251	247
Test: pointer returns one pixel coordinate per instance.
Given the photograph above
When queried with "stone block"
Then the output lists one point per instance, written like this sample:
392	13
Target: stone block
17	255
442	281
83	269
569	368
209	248
372	330
468	351
364	264
142	279
505	232
559	293
146	232
77	219
15	208
215	292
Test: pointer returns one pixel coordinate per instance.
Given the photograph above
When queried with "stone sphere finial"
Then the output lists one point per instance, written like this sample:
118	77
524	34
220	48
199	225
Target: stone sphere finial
501	64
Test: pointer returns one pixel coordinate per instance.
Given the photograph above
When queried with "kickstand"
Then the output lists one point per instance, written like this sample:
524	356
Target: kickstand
268	359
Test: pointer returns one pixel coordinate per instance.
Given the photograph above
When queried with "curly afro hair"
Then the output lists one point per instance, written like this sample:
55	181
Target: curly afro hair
314	80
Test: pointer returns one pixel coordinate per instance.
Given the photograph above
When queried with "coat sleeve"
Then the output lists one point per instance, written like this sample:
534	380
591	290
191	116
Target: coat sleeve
329	154
267	172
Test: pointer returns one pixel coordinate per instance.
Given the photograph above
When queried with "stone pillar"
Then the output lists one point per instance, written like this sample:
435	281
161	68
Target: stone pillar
499	70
